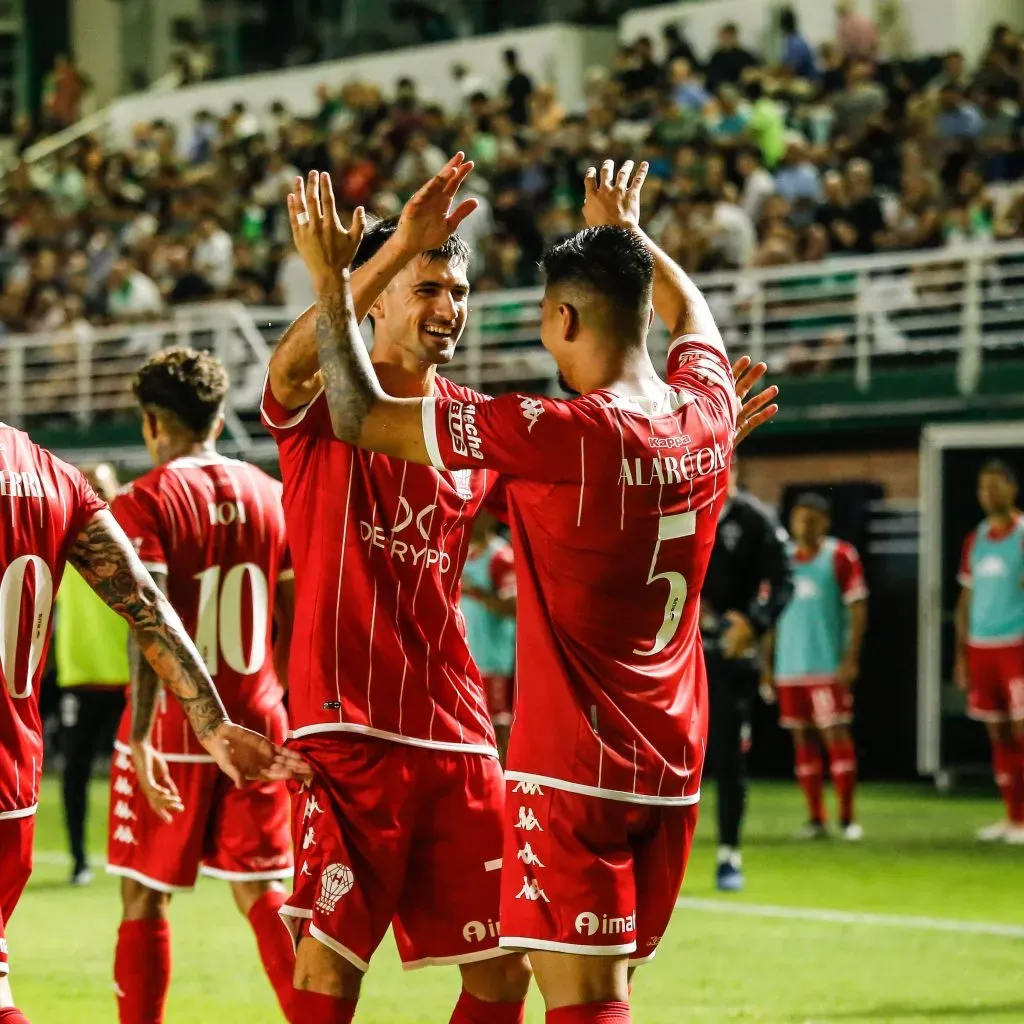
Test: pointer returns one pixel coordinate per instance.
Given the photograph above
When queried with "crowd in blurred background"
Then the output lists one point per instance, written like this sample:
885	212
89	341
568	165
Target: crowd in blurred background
756	160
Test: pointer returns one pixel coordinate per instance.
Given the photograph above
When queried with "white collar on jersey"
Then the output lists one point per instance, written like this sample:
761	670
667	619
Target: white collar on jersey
642	406
197	461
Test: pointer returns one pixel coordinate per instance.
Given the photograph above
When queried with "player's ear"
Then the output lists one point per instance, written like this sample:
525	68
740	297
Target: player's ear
377	309
570	319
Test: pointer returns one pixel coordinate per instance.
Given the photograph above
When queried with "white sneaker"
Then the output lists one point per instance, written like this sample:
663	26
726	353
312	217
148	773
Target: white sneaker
993	833
852	833
1014	835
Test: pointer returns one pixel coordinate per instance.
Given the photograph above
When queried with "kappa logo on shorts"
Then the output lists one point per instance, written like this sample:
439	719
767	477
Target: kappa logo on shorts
477	931
652	942
124	834
336	880
528	857
123	762
304	870
309	839
123	811
123	786
532	891
528	788
588	923
311	808
528	820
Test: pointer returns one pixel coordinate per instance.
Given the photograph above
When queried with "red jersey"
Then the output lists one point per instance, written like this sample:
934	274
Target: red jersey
613	505
379	645
215	526
44	504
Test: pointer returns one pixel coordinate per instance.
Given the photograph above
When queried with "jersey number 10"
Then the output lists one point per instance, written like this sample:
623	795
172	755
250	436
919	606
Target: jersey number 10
219	622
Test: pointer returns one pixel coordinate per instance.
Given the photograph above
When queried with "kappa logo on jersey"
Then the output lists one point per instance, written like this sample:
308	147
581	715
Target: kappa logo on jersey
533	409
401	549
477	931
992	567
123	811
528	857
309	839
20	485
122	786
528	821
805	589
639	472
124	834
588	923
462	429
680	441
528	788
311	808
335	882
532	891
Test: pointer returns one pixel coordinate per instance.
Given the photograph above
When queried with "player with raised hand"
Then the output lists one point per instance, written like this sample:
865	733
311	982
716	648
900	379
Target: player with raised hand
211	531
52	517
613	500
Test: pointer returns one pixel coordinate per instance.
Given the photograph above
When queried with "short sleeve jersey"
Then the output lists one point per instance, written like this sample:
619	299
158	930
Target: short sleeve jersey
379	645
613	505
215	527
44	505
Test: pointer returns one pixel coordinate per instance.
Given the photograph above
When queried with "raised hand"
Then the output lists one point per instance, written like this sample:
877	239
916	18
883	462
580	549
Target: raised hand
428	220
325	246
759	409
613	200
154	779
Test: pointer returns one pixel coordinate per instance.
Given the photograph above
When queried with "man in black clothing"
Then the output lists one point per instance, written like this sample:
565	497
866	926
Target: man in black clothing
729	60
518	89
747	586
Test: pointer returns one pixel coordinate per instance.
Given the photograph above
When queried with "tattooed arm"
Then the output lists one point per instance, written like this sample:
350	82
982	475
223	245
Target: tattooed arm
105	558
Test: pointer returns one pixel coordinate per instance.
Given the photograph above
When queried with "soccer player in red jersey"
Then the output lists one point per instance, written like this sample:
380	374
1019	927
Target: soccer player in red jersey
613	501
211	532
51	517
402	823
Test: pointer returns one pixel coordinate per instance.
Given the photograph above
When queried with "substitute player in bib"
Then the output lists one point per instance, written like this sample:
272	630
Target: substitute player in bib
990	638
52	517
817	645
612	536
489	607
211	531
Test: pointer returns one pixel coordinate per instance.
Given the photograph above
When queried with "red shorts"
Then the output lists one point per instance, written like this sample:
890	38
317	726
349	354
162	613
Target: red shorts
821	705
996	689
241	835
585	874
499	698
389	833
15	867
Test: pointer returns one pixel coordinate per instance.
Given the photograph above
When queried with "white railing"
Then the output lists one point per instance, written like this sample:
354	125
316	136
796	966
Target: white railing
84	374
952	304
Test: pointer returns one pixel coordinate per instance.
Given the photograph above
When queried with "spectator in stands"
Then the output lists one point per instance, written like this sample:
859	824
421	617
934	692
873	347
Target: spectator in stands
798	181
677	45
726	121
997	134
856	33
518	88
957	120
63	91
954	73
729	62
797	55
214	256
468	83
686	90
758	184
862	100
767	126
729	232
915	223
131	296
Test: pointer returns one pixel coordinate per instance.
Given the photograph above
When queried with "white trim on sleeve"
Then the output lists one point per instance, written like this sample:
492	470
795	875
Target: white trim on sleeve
855	594
21	812
295	419
429	413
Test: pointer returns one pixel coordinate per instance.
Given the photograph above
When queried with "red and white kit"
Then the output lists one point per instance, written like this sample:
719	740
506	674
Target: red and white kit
613	505
44	504
215	527
379	654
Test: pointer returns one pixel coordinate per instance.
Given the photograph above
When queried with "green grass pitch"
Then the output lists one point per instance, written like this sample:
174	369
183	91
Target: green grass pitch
917	860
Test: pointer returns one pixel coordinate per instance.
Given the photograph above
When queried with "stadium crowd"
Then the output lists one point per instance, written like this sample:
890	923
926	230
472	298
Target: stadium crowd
757	160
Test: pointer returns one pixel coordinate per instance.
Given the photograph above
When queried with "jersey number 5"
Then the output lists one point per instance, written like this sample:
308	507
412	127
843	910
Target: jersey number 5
670	528
219	623
12	590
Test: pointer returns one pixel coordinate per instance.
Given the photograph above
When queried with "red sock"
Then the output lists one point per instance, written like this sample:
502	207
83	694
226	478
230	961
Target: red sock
1007	764
808	774
843	761
142	971
12	1015
591	1013
275	945
316	1008
470	1010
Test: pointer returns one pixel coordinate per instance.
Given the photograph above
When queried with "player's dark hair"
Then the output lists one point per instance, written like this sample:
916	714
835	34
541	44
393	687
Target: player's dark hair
188	384
814	500
611	263
455	250
999	468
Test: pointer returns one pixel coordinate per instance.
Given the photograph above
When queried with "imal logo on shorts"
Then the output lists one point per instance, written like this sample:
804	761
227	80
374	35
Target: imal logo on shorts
462	428
477	931
3	946
588	923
